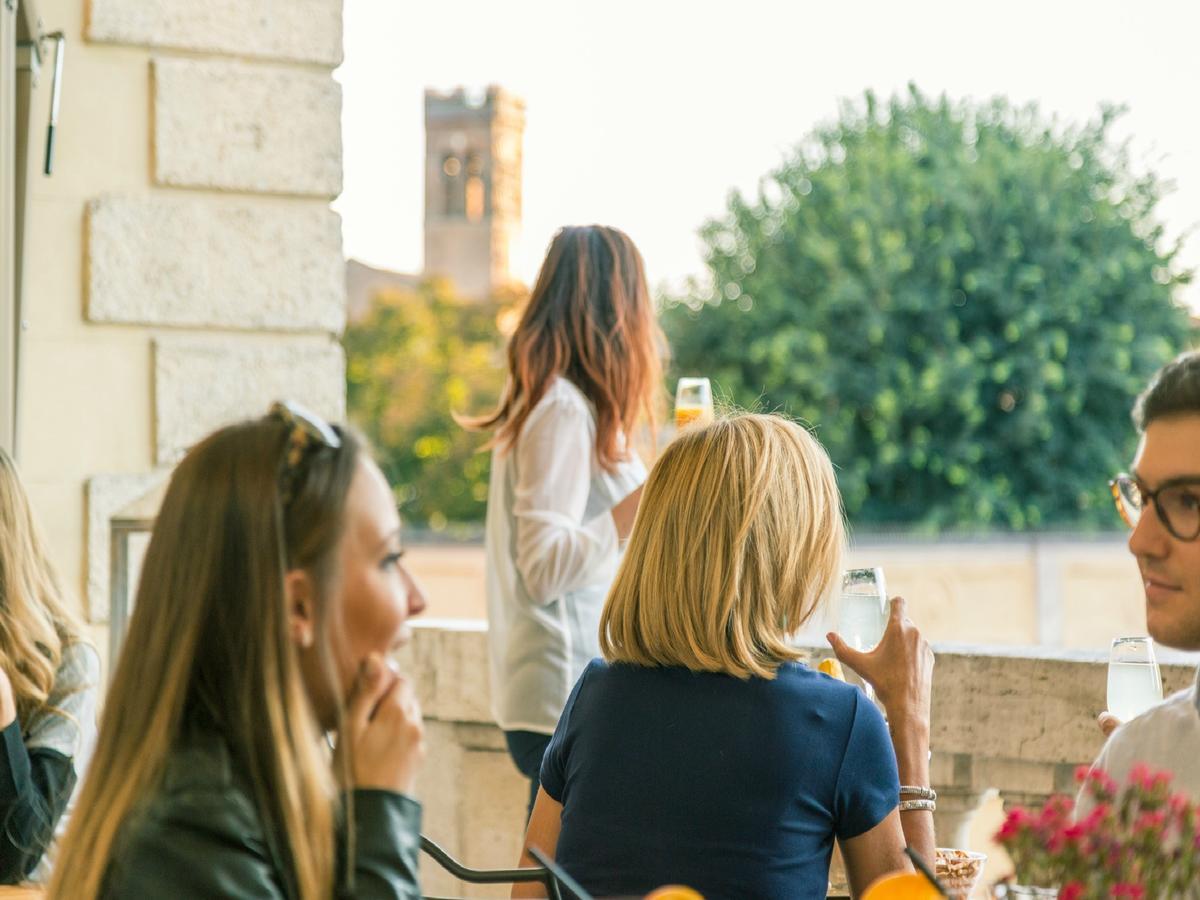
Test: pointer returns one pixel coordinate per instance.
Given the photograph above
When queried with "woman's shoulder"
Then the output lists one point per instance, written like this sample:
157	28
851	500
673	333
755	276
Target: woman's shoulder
196	835
798	678
199	791
66	723
78	668
562	394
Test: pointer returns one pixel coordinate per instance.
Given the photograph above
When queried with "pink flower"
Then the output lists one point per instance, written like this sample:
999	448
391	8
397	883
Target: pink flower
1077	833
1148	779
1015	822
1129	890
1149	821
1136	842
1096	782
1099	813
1056	813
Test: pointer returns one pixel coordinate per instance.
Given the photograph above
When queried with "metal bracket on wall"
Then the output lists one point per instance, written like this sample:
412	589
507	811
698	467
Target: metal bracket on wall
60	49
29	59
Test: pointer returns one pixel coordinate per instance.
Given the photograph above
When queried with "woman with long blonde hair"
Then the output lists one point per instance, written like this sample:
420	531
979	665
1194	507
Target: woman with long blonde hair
700	750
271	591
584	369
49	676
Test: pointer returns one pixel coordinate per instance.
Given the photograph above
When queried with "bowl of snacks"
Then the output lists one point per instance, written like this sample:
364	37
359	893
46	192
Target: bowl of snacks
959	871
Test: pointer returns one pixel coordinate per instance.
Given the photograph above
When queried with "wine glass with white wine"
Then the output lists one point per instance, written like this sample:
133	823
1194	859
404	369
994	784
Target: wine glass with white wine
1134	680
863	611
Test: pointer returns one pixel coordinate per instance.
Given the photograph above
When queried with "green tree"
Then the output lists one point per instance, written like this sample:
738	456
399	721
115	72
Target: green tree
963	300
412	361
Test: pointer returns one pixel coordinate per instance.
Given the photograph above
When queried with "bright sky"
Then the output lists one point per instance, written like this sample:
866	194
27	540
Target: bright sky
643	114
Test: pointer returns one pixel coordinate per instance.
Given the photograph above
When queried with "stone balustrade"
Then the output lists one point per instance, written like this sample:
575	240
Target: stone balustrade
1011	720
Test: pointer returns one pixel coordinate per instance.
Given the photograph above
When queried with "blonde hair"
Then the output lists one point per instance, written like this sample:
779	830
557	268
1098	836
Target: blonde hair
35	623
739	538
208	647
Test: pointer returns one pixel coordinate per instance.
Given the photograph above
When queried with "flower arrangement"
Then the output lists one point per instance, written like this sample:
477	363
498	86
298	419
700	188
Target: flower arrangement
1138	841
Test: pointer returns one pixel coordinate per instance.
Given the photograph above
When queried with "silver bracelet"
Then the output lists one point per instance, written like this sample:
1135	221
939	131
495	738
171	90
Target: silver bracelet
920	793
914	805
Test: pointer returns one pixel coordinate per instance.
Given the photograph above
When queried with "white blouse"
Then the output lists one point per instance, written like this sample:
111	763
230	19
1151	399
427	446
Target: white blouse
551	553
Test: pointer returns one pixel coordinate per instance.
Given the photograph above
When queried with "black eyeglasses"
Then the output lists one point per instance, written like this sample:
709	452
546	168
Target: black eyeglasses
1177	502
308	432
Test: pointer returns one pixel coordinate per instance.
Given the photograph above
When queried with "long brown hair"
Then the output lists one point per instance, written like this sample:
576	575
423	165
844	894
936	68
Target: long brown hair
209	647
589	319
738	540
35	623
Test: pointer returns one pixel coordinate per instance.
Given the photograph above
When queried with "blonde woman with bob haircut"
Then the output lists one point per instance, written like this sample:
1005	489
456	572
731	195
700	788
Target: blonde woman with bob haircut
271	591
700	750
49	677
584	370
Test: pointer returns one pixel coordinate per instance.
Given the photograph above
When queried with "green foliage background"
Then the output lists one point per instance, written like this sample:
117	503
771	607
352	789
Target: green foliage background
416	358
963	300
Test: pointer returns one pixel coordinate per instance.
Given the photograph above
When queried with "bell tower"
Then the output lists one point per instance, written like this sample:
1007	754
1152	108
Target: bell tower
472	187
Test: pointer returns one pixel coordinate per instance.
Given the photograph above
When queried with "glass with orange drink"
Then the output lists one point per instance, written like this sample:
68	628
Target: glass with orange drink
693	402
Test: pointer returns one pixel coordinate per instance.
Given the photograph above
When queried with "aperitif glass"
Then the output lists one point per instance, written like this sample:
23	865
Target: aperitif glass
693	402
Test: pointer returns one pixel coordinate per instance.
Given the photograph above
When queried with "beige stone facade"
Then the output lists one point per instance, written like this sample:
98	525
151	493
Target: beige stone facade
183	265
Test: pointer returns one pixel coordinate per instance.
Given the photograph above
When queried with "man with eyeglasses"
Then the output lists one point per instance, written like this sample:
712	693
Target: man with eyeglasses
1160	500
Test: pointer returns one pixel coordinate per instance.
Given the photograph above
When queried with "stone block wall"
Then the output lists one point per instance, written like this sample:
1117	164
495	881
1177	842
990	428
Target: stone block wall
185	266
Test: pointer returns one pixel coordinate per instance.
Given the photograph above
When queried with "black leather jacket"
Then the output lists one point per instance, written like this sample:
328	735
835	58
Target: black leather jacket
201	836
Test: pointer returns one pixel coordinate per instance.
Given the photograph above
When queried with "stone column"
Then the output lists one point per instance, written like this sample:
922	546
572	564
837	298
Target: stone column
956	808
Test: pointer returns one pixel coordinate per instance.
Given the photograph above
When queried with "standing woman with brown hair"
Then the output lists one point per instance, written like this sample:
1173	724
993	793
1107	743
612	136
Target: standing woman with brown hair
49	678
584	369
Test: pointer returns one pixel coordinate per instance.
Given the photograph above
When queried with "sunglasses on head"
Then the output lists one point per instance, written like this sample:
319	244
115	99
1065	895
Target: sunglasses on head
308	433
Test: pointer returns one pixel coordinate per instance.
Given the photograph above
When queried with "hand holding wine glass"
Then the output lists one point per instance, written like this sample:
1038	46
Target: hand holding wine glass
863	611
899	668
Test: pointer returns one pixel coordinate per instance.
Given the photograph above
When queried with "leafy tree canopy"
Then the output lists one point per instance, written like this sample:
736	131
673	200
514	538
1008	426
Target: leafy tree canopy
415	359
962	299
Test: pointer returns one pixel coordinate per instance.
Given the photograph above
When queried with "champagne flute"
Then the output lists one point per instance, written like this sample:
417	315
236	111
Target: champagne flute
693	402
863	611
1134	680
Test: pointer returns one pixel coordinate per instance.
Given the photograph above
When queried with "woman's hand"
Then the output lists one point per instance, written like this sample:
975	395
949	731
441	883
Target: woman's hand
8	703
900	668
383	729
901	671
1108	723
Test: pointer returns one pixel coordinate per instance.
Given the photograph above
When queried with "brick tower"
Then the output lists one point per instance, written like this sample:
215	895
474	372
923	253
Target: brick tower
472	187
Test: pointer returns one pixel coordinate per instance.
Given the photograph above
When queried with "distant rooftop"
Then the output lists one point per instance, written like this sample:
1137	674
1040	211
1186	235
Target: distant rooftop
469	101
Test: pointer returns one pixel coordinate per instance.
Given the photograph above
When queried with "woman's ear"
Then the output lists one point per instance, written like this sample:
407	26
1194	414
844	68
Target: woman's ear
300	595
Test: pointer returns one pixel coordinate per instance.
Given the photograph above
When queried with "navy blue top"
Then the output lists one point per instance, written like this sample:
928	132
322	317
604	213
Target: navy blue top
735	788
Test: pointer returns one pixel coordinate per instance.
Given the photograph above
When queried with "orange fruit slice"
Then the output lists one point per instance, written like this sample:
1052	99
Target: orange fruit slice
674	892
905	886
832	668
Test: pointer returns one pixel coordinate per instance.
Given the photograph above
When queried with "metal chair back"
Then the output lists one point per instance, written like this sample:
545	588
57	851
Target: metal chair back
490	876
